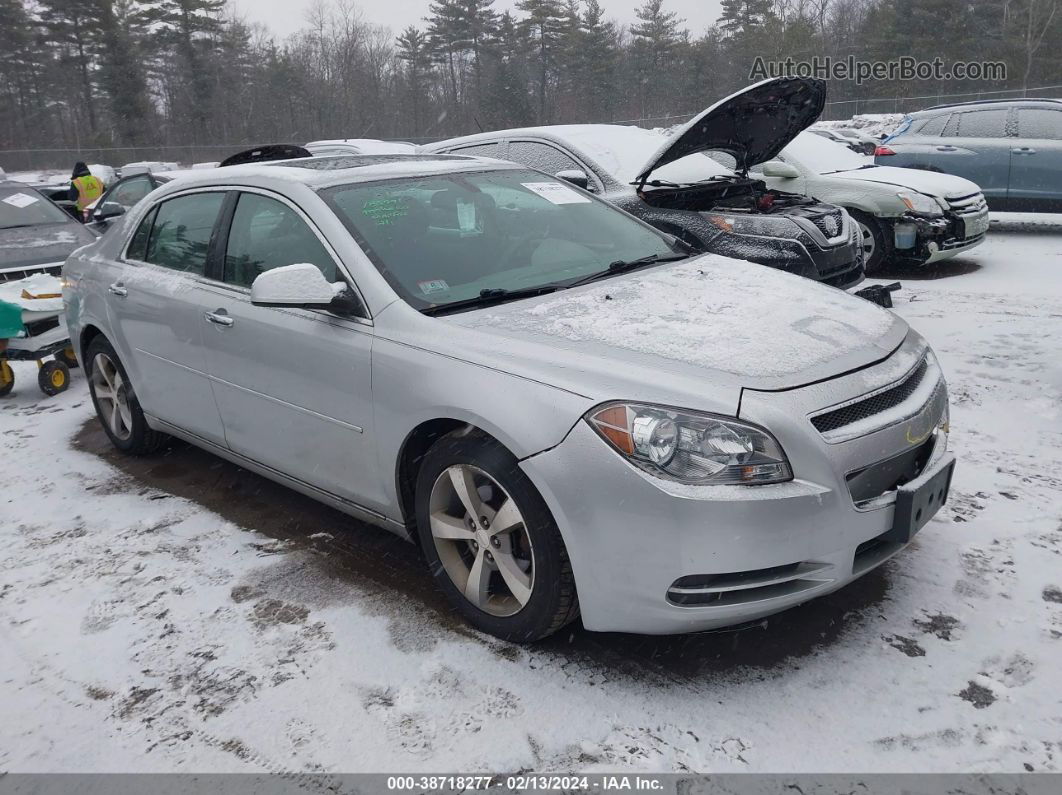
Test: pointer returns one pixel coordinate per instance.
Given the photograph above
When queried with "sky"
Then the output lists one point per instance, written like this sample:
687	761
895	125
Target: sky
283	17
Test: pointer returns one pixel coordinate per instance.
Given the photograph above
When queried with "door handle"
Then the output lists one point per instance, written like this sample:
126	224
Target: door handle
219	318
946	149
1023	150
118	289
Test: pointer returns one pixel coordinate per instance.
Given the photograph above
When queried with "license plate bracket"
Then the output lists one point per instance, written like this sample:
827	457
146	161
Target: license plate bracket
973	227
916	506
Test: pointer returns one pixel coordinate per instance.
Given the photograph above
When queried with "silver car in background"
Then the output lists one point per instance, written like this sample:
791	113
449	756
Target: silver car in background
564	408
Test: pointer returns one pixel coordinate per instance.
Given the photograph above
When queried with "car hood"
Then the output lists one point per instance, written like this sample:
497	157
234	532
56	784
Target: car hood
697	332
931	183
36	245
752	125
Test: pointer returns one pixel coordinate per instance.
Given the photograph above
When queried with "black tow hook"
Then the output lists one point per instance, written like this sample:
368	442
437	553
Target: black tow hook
880	294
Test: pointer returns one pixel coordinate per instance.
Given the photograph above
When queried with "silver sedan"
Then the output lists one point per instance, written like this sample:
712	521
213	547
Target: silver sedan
564	408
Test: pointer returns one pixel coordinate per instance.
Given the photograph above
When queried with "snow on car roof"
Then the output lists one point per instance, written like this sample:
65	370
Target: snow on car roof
823	155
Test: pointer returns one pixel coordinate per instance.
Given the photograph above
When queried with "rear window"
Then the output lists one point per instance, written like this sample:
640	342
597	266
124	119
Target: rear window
1040	123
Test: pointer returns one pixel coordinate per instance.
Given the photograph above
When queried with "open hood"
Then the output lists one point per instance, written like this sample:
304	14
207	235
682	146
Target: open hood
752	125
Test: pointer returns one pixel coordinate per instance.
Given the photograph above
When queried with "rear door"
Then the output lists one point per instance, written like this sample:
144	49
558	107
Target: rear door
976	144
1036	158
293	385
156	305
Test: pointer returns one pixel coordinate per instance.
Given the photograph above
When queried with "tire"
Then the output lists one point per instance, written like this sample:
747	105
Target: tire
876	247
526	589
131	434
7	378
53	377
67	357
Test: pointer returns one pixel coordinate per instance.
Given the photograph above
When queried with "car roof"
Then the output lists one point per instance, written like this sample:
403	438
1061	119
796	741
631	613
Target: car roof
318	172
1027	102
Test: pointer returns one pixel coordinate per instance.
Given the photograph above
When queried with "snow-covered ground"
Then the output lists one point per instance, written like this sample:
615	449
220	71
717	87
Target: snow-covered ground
177	614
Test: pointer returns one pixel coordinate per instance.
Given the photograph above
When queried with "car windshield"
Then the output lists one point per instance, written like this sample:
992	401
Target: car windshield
25	207
823	156
447	238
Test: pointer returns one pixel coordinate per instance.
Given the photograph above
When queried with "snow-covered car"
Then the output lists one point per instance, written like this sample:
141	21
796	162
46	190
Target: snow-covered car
853	139
669	181
906	216
565	408
359	146
1012	148
36	235
147	167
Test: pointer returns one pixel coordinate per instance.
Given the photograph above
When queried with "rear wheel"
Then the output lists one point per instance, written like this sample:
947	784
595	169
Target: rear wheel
490	541
875	246
116	404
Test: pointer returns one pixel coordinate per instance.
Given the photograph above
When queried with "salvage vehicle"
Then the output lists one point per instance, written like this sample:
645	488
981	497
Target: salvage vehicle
567	410
1012	148
36	235
905	216
672	183
850	139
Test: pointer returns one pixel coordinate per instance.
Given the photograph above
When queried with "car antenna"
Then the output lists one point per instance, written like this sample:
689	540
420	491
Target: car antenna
477	123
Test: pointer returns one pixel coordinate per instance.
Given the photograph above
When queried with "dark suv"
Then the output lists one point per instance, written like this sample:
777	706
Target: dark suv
1012	148
679	183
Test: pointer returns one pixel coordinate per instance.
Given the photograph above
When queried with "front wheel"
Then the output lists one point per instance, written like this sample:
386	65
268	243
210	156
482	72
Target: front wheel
490	541
116	403
875	246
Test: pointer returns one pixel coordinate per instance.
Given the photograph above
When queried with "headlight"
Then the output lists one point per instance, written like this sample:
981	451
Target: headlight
690	447
919	203
768	226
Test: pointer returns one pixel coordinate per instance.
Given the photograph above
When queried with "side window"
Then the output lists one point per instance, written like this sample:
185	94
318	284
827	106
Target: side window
541	156
934	125
266	234
479	150
180	236
138	245
983	124
131	191
1040	123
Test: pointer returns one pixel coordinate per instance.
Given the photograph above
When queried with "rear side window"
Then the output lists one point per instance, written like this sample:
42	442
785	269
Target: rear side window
479	150
180	236
934	125
541	156
131	191
982	124
1040	123
267	234
138	245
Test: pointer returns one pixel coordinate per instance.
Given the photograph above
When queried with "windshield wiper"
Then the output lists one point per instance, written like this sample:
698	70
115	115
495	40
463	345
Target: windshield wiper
625	265
492	295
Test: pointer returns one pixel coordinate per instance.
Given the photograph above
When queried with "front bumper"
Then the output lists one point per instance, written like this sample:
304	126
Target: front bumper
655	557
960	229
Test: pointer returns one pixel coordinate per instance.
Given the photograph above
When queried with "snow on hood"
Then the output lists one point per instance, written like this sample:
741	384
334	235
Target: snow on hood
748	323
931	183
752	125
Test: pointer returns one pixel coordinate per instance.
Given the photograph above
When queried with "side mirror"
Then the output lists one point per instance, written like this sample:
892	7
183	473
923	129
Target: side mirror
302	284
776	168
576	177
107	211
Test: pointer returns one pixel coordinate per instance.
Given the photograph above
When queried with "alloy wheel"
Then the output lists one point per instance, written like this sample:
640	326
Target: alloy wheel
112	396
869	243
481	539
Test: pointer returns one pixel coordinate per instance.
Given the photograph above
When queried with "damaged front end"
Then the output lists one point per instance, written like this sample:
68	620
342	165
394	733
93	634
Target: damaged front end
919	239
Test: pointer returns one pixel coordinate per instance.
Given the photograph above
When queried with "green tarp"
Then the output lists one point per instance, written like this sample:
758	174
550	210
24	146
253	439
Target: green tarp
10	320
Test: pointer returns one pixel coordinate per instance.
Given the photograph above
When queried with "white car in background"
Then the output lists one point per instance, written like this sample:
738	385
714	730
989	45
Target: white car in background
906	216
359	146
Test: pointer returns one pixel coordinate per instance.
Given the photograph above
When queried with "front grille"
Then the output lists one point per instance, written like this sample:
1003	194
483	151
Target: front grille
875	404
14	274
968	205
872	481
830	223
745	587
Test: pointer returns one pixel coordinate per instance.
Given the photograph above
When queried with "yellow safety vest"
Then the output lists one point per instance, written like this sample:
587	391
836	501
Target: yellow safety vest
89	188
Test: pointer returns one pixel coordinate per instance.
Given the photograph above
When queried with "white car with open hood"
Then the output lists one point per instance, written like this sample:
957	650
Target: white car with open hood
906	215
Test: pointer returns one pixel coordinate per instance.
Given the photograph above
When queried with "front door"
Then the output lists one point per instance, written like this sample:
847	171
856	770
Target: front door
293	385
155	303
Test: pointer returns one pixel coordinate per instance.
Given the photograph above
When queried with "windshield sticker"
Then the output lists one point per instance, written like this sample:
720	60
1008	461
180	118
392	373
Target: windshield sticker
556	193
466	216
21	200
384	211
433	286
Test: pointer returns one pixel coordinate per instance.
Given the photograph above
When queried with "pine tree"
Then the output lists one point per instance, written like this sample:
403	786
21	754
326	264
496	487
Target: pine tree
656	36
544	25
414	50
